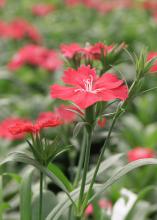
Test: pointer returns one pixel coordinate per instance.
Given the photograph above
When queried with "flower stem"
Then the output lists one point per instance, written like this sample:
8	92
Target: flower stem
100	159
86	164
41	197
81	160
79	170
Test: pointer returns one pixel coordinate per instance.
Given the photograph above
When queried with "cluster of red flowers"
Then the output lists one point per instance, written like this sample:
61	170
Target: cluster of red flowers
67	115
18	29
16	128
42	9
36	56
86	88
101	5
140	153
22	127
90	52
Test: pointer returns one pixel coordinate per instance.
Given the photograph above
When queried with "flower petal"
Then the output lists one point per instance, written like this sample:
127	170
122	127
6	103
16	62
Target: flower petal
82	99
108	81
62	92
85	99
118	93
78	77
70	50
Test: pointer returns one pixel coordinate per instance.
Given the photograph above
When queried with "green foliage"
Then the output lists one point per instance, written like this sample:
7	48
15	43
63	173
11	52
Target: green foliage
25	93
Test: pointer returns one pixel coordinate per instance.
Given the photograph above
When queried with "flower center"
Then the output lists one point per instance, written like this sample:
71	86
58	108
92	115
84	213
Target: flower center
88	86
88	83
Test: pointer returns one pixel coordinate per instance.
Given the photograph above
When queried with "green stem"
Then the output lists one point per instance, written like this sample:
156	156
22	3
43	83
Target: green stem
41	197
100	159
81	160
86	164
79	170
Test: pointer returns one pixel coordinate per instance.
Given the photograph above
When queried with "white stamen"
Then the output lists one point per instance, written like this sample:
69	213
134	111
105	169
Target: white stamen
88	86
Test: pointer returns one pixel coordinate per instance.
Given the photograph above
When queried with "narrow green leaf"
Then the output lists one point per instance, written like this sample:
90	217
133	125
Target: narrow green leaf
53	168
61	151
24	158
100	188
26	197
64	204
123	171
104	166
49	202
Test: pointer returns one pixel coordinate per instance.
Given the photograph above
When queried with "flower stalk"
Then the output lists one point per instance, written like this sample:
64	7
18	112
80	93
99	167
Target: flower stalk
41	197
85	170
90	119
81	160
100	160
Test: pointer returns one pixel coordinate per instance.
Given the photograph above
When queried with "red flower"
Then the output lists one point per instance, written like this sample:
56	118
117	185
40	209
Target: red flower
105	204
2	3
45	115
37	56
89	210
150	4
89	52
95	51
70	50
5	126
102	122
29	54
101	5
4	30
140	153
18	29
150	56
29	127
62	113
21	128
42	9
72	2
66	115
51	62
47	122
86	88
